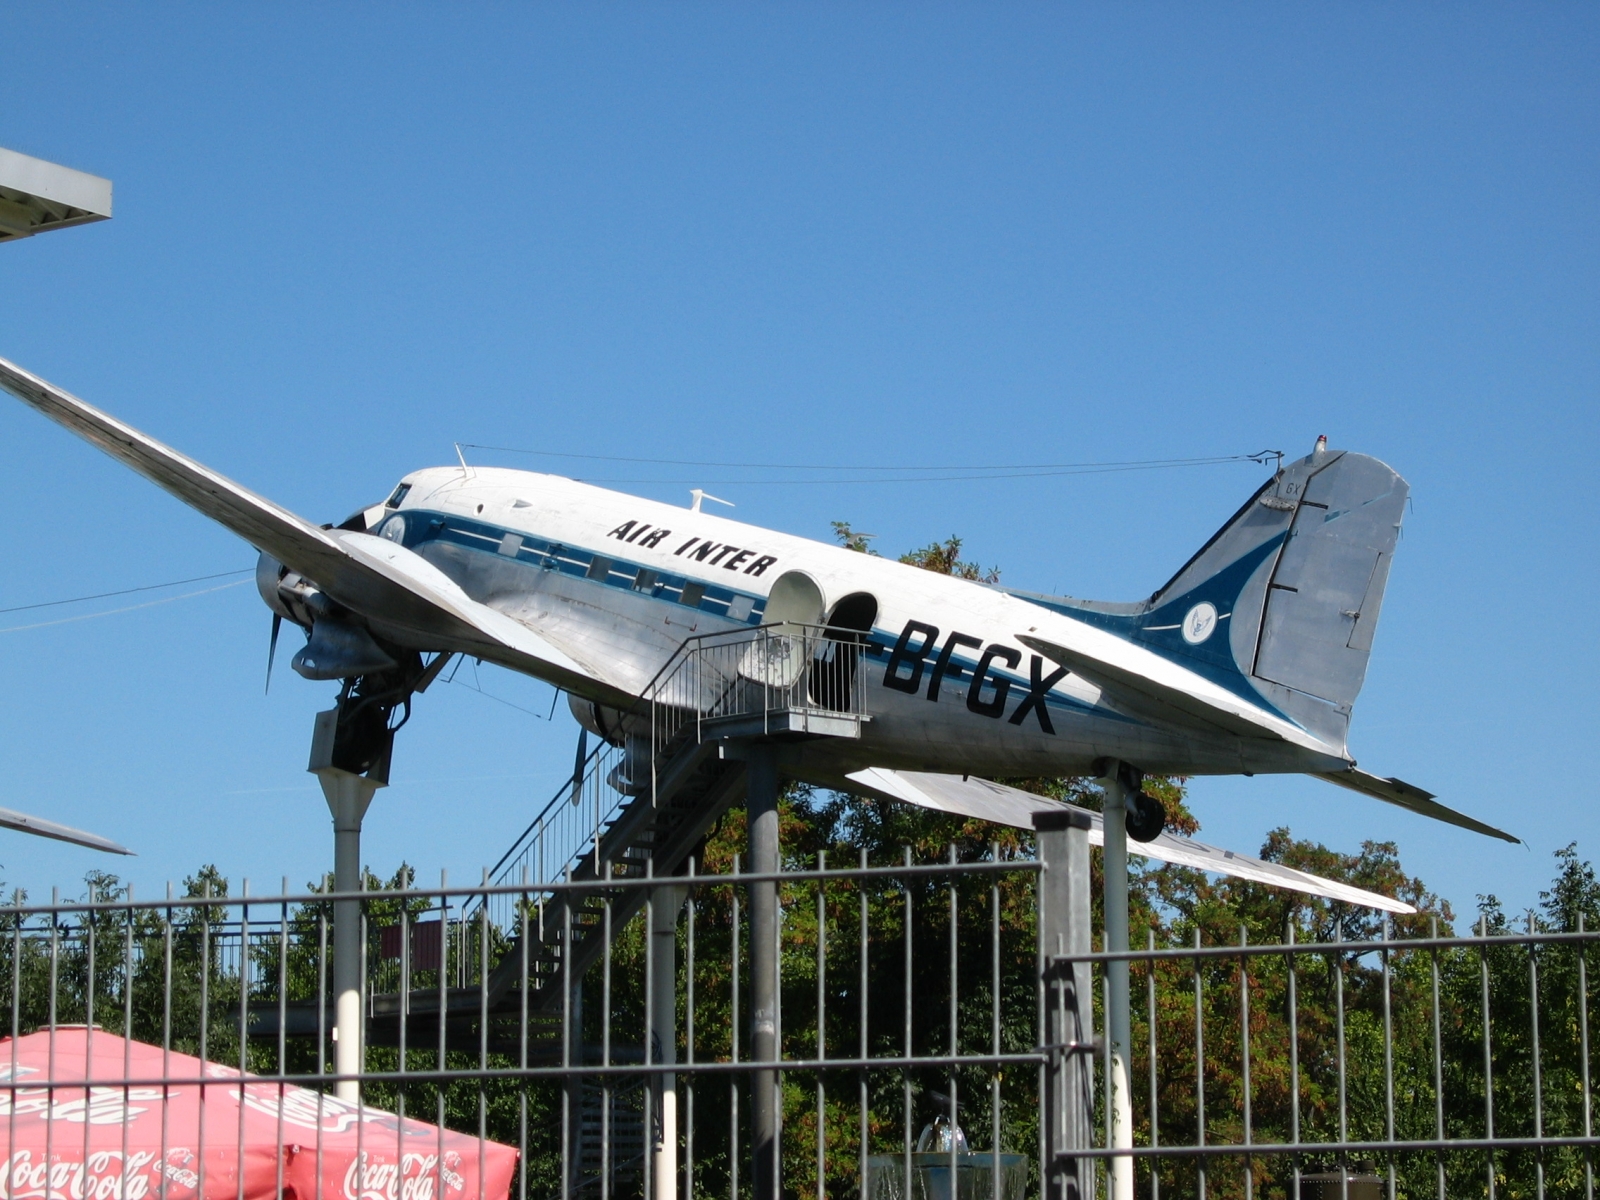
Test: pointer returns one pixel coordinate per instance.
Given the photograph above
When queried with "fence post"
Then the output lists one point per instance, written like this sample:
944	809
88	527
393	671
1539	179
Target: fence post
1063	839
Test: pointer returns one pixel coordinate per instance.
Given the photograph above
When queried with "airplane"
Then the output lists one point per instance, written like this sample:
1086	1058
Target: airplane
1247	661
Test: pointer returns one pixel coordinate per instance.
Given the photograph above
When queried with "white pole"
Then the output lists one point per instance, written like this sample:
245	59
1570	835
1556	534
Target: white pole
348	796
1118	1023
666	903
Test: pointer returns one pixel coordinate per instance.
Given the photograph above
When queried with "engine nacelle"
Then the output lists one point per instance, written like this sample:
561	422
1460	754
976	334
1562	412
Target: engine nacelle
609	724
286	592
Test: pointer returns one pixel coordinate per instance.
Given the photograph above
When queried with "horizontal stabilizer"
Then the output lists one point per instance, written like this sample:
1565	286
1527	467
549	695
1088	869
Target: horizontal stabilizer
1395	791
391	586
23	823
989	801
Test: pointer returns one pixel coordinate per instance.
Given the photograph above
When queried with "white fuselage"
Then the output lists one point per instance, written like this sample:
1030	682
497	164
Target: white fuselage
620	582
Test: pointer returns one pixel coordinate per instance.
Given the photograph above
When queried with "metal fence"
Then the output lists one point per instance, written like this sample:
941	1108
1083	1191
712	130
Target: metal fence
918	1045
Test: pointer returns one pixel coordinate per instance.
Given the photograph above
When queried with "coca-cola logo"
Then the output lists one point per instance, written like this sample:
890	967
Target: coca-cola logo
105	1175
414	1177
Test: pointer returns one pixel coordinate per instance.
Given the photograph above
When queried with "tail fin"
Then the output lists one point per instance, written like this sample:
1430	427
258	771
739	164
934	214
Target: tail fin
1281	604
1299	574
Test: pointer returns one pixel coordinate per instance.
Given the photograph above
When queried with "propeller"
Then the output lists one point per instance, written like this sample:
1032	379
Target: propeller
272	647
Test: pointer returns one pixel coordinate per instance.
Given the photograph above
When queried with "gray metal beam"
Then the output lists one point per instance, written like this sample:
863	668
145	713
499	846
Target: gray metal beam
37	196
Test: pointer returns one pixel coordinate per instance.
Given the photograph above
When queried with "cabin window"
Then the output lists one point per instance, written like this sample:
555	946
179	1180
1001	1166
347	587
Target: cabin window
599	568
399	495
645	580
692	594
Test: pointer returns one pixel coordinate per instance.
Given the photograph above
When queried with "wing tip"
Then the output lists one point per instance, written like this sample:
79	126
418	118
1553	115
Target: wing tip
1412	798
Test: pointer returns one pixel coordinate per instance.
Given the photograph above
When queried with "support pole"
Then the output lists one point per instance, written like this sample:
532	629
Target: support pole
1118	1023
762	814
348	796
1069	1002
665	905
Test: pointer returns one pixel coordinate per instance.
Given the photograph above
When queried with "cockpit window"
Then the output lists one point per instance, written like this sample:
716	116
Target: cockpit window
399	495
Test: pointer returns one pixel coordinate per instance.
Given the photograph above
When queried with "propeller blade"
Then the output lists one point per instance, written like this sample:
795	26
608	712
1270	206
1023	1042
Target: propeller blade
577	765
272	647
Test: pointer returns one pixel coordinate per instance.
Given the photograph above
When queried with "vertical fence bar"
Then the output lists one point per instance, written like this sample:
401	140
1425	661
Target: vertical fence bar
1538	1075
571	1031
444	1025
607	1088
862	1041
90	920
1488	1051
951	1077
483	1028
1244	1055
688	1037
733	1043
244	1013
1388	1056
822	1008
205	1027
994	1025
1343	1062
322	1030
1294	1055
1438	1063
16	1034
1199	1070
127	1034
652	1032
1150	1020
1583	1050
166	1029
905	1075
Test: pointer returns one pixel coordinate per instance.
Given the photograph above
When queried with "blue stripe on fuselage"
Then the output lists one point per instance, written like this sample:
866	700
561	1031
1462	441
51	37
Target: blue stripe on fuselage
423	527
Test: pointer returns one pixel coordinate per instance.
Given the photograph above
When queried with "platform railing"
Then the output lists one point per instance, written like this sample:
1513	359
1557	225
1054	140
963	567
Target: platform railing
772	680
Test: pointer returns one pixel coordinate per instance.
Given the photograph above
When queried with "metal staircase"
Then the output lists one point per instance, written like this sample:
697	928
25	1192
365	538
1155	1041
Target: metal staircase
635	809
783	681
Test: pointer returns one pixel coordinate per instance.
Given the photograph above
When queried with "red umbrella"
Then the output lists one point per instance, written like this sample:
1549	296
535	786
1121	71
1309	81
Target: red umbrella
210	1133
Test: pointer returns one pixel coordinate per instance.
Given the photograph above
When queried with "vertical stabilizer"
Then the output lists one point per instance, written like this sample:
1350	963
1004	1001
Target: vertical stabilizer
1281	604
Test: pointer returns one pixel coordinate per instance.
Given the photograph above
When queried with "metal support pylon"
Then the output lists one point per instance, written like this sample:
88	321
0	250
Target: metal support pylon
348	795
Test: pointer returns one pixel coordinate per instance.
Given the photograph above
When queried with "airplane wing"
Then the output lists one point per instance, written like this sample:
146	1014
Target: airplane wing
391	586
990	801
1409	796
23	823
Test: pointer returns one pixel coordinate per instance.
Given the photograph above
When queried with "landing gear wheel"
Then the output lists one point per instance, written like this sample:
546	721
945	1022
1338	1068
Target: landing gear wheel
1146	818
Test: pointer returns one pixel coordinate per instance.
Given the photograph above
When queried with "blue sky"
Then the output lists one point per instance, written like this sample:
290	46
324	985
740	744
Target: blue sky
346	237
